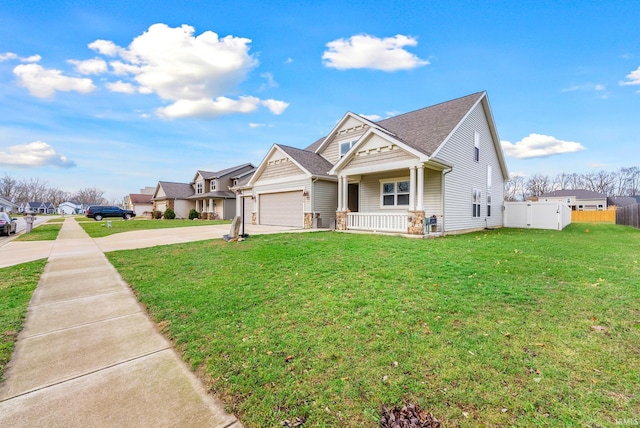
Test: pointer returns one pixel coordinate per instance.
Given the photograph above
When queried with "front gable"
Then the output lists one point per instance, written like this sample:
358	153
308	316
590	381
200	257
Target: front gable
348	130
159	193
278	166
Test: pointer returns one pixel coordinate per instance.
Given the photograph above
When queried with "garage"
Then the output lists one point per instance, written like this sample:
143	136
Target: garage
281	209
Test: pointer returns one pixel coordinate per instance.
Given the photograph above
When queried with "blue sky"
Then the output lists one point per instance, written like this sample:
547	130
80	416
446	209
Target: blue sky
121	94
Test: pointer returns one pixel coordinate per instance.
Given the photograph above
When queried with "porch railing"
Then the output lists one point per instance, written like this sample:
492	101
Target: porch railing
387	222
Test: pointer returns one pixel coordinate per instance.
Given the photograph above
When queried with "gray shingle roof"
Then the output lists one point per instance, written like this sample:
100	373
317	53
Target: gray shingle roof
623	201
312	162
578	193
218	194
217	174
140	198
176	190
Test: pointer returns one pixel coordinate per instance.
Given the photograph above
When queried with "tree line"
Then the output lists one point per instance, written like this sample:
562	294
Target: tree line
26	190
624	182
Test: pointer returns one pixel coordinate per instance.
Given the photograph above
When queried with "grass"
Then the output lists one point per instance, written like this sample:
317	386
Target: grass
16	288
97	229
44	232
502	328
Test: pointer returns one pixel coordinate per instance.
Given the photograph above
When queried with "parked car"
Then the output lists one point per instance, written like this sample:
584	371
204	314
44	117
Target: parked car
7	224
98	212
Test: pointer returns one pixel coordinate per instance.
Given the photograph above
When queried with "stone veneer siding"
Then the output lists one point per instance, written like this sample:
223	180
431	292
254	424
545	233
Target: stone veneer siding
415	222
341	220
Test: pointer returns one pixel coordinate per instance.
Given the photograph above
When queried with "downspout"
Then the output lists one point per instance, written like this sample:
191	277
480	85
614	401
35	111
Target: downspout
442	192
313	199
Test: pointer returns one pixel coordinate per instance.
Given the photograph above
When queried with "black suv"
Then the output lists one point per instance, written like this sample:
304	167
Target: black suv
98	212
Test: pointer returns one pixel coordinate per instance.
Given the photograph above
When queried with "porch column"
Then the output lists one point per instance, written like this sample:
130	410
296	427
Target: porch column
345	193
340	193
412	188
420	205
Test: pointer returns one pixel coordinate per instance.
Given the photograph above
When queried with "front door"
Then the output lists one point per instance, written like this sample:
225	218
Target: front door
354	196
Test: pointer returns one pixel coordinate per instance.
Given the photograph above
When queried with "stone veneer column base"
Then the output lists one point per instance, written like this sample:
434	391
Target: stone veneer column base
254	219
415	222
341	220
308	220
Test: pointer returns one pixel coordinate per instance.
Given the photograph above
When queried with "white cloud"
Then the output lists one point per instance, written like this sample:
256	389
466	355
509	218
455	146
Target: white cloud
276	107
371	117
633	78
288	61
90	66
259	125
598	87
32	58
538	145
206	107
7	55
196	73
121	87
364	51
33	155
105	47
43	83
270	82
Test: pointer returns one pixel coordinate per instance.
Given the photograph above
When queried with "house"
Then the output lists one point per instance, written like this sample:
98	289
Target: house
69	208
37	207
7	206
440	166
577	199
212	195
140	203
209	193
623	201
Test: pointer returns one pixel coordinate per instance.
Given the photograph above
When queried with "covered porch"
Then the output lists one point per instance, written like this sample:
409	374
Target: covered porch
215	205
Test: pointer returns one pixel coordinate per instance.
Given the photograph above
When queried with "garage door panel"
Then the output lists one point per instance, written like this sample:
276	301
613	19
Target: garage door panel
281	209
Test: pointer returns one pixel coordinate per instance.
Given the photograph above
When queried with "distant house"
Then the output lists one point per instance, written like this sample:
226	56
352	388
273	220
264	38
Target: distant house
413	173
69	208
7	206
577	199
623	201
140	203
37	207
173	195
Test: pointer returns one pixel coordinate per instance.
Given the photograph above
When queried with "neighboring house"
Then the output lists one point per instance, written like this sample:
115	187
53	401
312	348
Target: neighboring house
69	208
211	191
7	206
577	199
175	196
37	207
623	201
443	162
140	203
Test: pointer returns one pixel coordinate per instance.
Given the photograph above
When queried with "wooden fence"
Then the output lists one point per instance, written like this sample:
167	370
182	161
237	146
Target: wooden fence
608	216
629	216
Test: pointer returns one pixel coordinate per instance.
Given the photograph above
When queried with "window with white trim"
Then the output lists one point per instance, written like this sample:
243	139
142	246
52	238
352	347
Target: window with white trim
395	193
476	200
476	146
199	187
213	185
345	146
489	181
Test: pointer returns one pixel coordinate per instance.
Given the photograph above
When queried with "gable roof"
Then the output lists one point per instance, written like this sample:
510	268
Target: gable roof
175	190
208	175
623	201
140	198
578	193
315	164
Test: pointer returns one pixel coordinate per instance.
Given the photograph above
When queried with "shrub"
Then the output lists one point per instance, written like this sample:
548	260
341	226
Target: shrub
157	215
169	214
193	214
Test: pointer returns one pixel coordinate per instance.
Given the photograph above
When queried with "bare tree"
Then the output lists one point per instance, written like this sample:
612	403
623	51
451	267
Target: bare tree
628	181
57	196
90	195
8	187
600	181
514	189
575	181
31	190
538	185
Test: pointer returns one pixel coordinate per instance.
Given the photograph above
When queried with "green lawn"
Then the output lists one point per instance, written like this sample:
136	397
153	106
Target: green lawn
502	328
97	229
16	287
44	232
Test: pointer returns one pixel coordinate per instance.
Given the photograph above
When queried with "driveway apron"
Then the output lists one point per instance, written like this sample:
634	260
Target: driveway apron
89	356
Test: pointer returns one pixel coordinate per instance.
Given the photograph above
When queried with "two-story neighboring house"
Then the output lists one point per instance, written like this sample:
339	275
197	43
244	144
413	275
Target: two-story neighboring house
577	199
438	169
209	194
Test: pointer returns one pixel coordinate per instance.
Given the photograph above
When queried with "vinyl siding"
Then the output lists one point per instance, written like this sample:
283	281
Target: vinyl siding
284	167
325	194
374	157
351	130
467	174
182	208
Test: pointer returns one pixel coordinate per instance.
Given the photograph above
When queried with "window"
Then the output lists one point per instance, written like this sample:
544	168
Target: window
213	185
344	147
199	187
489	181
476	146
488	204
395	193
476	199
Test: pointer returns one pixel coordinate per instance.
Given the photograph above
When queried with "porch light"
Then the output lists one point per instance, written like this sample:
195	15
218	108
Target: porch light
305	193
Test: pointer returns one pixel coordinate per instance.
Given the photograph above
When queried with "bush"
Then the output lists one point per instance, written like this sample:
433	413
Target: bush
157	215
169	214
193	214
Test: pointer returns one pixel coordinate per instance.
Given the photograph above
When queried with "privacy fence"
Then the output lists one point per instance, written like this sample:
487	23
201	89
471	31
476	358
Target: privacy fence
629	216
608	216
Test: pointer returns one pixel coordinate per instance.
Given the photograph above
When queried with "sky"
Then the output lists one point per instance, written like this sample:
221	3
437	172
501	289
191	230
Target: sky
119	95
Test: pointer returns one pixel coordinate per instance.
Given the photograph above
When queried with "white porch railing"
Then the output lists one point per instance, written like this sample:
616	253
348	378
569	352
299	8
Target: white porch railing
387	222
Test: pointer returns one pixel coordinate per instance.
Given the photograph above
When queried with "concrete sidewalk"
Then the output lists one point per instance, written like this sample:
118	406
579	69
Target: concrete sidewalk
90	357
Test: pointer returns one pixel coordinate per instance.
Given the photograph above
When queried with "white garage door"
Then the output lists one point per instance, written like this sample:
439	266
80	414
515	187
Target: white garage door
281	209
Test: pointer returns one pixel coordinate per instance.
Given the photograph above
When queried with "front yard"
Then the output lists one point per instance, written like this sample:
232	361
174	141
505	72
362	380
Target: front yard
97	229
501	328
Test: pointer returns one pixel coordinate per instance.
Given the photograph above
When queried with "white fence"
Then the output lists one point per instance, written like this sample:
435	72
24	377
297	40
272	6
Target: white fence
382	222
537	215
